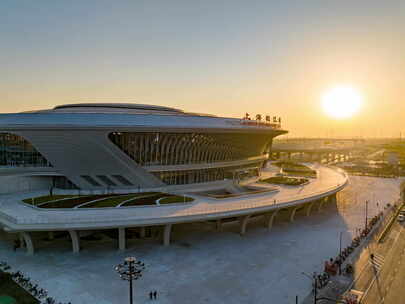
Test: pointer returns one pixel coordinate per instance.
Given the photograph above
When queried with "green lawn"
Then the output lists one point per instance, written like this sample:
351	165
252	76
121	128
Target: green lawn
9	288
284	180
73	202
175	199
147	200
295	168
43	199
114	201
300	173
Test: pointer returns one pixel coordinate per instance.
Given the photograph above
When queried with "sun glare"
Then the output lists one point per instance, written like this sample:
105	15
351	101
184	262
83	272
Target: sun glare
341	102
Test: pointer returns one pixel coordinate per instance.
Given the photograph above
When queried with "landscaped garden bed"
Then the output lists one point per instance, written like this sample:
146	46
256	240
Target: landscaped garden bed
108	200
285	180
111	201
72	202
43	199
175	199
297	169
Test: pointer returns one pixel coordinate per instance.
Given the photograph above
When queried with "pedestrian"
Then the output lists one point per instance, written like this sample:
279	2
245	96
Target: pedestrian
150	295
155	294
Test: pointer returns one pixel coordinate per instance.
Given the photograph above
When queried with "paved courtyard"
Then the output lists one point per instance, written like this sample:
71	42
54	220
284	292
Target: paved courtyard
206	266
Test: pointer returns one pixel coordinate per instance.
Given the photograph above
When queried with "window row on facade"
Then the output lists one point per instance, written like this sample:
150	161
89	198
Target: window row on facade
160	148
15	151
208	175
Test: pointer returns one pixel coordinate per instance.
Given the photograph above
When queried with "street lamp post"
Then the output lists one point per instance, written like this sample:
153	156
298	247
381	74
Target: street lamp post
366	214
340	252
130	270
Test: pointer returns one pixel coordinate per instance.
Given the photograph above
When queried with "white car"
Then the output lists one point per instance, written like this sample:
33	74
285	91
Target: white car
401	218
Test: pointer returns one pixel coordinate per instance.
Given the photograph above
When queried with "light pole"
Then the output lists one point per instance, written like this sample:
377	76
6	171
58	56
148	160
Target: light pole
366	215
340	252
130	270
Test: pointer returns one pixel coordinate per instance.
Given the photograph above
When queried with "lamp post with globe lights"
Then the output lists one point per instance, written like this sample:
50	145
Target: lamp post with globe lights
130	270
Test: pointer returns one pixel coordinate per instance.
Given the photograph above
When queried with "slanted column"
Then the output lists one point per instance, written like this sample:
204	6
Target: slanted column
166	234
28	242
218	224
292	214
269	219
321	202
243	223
121	239
74	235
308	208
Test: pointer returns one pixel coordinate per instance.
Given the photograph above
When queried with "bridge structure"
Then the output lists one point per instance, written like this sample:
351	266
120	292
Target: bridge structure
24	220
321	155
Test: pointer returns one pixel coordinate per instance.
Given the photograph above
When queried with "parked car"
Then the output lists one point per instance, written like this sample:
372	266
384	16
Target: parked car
401	218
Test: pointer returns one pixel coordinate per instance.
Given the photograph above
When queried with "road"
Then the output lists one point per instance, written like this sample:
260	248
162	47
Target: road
387	286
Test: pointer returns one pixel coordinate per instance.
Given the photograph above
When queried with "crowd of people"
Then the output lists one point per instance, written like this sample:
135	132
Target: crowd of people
333	266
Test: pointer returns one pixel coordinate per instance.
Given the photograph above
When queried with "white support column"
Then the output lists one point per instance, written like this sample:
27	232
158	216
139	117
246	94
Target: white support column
28	242
243	221
308	208
218	225
166	234
321	202
21	238
142	232
121	239
269	219
74	235
292	214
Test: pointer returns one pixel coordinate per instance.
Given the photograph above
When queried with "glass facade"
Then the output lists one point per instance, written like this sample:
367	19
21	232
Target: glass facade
159	148
236	173
15	151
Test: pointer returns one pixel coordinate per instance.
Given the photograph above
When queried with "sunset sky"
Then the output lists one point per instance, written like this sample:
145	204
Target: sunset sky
217	57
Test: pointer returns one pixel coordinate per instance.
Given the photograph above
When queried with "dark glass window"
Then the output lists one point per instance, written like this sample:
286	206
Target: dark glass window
159	148
123	180
15	151
91	180
106	180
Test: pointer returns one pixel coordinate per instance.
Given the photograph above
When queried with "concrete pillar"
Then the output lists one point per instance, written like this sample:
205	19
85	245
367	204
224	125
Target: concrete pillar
218	224
269	219
166	234
121	239
332	198
50	235
292	214
243	221
321	202
74	235
142	232
28	242
308	208
21	238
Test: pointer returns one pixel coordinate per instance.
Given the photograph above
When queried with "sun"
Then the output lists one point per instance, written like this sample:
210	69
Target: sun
341	102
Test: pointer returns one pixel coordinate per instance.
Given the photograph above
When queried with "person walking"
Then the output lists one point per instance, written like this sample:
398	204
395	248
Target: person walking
150	295
155	294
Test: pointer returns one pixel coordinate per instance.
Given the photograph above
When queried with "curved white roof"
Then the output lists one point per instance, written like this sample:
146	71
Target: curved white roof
79	107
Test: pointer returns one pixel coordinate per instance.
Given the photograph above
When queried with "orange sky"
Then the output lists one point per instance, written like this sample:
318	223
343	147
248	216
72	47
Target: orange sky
224	60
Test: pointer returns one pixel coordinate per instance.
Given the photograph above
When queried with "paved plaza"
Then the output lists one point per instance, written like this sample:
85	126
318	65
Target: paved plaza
206	266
